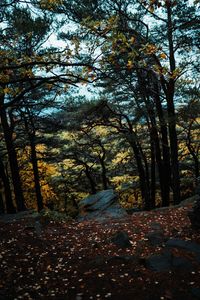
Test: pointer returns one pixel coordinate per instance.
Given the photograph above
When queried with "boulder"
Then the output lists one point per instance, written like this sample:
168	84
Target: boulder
121	240
191	200
156	236
195	292
185	245
181	263
166	261
194	215
101	206
159	263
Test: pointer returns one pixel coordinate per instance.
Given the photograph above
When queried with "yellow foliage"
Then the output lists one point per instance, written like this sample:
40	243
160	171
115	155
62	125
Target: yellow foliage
129	64
49	86
176	73
50	4
101	130
130	198
68	163
151	49
151	9
7	90
4	78
132	40
121	157
26	173
162	55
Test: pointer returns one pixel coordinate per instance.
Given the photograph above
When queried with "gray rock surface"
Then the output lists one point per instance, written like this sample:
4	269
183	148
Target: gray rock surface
181	263
121	239
166	261
156	238
186	245
159	263
9	218
100	206
195	292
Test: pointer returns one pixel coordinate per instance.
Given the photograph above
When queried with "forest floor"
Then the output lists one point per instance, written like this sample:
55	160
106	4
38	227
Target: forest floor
71	260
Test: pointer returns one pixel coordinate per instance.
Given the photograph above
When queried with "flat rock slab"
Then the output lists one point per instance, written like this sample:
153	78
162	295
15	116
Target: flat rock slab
195	292
159	263
101	207
101	200
185	245
166	262
181	263
8	218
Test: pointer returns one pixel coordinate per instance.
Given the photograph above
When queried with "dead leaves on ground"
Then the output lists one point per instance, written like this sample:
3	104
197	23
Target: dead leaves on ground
79	261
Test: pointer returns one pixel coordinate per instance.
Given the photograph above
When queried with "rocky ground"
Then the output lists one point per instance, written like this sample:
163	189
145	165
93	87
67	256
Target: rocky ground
148	255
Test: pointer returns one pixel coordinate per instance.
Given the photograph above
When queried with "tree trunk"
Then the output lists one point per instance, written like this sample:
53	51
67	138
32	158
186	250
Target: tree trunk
196	166
192	151
103	175
153	175
163	160
36	174
173	143
91	181
30	129
103	168
19	198
145	164
144	187
2	208
7	191
149	86
170	89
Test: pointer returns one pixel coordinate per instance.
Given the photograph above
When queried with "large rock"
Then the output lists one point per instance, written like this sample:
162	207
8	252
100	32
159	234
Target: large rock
121	239
101	206
159	263
156	236
166	261
194	214
185	245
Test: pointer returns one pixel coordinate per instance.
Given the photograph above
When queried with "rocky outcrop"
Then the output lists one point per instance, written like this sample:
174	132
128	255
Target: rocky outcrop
100	206
167	261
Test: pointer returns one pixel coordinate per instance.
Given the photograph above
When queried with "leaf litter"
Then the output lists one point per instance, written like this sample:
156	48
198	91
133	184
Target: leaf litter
78	260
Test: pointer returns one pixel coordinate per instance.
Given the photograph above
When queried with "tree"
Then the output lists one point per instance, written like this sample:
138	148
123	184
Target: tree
124	34
25	67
